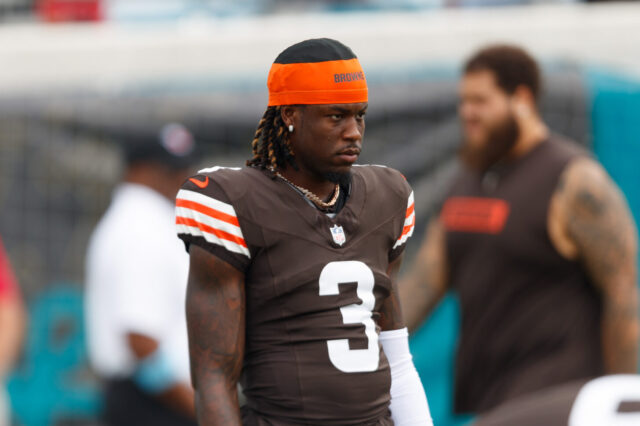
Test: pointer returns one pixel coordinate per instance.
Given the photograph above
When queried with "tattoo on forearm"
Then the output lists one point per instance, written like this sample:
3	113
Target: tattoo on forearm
215	318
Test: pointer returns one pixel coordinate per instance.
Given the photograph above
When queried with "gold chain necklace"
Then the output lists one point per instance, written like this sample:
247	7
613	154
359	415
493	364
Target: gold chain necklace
313	197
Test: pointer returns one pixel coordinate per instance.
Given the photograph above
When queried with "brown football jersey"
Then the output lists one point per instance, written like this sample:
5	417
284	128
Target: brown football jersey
314	287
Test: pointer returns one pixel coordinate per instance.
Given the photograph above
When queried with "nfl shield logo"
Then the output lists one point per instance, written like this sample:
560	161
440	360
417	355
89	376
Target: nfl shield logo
338	235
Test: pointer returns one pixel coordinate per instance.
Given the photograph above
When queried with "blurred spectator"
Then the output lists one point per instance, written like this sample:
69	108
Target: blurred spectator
536	241
136	282
12	326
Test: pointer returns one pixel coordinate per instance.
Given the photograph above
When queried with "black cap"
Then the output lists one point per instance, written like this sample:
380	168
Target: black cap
174	147
315	50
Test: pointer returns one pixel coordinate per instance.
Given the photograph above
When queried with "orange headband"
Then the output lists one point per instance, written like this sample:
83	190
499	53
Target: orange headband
329	82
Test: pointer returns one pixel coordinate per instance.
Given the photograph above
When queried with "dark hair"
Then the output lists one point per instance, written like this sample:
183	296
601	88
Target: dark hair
271	146
511	65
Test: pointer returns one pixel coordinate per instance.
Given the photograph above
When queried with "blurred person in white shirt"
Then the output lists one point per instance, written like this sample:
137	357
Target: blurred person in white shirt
136	276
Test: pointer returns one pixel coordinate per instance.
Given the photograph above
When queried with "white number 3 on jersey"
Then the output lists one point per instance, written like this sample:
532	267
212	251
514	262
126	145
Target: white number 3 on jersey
343	358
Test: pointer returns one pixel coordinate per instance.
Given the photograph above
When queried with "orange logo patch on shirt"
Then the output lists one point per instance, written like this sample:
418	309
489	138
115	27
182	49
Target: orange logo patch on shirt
471	214
200	183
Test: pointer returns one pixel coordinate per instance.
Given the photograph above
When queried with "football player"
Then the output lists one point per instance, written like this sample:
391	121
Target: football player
293	263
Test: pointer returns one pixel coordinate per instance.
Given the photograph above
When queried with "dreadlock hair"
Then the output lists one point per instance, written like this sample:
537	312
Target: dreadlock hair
271	146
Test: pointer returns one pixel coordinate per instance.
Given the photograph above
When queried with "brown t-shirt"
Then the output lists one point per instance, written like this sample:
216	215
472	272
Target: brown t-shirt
314	288
530	317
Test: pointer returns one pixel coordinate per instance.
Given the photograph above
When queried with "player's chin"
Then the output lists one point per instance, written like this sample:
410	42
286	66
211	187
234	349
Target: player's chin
341	169
341	176
343	163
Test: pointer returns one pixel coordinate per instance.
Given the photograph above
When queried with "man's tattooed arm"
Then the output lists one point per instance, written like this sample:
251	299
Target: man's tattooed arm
216	326
598	222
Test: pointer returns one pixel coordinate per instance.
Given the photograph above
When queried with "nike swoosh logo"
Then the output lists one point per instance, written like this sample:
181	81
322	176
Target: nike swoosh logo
200	183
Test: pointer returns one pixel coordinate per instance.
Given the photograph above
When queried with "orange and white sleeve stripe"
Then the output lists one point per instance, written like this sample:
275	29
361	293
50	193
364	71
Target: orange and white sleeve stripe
213	220
409	223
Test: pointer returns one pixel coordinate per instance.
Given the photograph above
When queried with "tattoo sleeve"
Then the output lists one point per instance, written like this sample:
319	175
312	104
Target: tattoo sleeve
426	282
600	224
216	328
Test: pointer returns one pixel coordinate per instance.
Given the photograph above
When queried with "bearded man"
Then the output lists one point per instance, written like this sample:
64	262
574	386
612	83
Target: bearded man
536	241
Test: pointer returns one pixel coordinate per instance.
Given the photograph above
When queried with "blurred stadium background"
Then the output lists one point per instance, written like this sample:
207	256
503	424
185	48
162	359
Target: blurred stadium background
78	78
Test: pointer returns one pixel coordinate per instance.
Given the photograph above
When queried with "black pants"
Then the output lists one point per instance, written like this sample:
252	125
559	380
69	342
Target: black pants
125	404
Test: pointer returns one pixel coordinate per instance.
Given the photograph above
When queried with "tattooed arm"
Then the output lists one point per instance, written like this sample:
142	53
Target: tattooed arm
425	284
602	235
215	322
